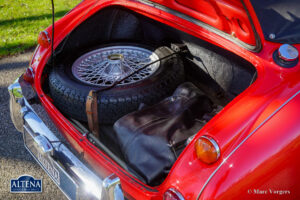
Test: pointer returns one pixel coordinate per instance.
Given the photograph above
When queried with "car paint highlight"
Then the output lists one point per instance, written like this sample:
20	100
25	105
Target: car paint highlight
273	87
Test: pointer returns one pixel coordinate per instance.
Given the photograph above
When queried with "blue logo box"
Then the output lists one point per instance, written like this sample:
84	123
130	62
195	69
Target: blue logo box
26	184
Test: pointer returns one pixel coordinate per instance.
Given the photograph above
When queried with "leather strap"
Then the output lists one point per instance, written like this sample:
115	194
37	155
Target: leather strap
92	112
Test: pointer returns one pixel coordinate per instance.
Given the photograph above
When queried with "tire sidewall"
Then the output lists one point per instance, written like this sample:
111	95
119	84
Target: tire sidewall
64	72
69	94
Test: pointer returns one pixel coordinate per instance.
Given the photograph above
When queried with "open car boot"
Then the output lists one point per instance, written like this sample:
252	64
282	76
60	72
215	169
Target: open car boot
151	138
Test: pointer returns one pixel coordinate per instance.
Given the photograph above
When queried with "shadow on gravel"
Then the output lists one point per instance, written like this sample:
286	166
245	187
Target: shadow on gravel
15	160
11	146
32	18
13	65
4	97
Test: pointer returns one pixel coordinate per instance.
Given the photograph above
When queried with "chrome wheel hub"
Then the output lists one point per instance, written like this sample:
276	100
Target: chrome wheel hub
104	66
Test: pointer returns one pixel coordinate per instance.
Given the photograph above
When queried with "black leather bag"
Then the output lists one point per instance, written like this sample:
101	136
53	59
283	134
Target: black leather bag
148	138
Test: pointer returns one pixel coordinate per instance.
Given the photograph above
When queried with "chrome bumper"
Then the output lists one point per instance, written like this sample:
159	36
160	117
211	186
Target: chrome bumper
70	174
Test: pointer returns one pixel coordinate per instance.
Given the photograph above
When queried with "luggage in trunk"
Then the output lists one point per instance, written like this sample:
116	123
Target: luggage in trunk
151	138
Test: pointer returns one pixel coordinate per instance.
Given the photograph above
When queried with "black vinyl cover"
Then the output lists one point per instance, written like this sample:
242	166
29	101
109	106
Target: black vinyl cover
279	17
148	137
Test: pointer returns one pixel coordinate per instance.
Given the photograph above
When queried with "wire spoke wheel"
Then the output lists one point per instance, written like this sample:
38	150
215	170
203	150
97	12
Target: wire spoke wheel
104	66
70	82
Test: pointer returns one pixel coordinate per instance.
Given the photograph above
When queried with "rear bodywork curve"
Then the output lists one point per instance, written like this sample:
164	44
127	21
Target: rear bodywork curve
270	167
273	87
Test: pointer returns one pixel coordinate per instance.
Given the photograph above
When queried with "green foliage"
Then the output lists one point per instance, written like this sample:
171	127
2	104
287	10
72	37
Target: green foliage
22	20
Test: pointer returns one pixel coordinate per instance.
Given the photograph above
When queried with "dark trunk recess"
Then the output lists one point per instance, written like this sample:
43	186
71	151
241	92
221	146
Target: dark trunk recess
219	74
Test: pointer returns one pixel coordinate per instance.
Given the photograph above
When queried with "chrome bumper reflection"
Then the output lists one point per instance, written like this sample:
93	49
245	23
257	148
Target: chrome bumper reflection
71	175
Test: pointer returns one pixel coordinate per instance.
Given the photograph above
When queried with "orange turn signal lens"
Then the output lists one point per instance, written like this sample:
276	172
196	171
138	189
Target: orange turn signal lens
207	150
44	39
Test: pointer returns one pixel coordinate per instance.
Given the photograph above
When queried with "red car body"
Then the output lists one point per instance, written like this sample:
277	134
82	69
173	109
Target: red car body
258	132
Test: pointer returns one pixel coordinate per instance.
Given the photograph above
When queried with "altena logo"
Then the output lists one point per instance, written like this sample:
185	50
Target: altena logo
25	184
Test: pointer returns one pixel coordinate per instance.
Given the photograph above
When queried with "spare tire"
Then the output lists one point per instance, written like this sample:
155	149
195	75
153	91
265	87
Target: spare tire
70	83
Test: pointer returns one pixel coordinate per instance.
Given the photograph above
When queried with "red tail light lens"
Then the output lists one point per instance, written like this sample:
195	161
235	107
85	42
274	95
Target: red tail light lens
44	39
172	194
28	75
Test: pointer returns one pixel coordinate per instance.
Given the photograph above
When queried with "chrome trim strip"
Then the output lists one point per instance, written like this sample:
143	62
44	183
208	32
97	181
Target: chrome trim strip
47	35
113	187
51	175
214	143
201	24
248	136
179	195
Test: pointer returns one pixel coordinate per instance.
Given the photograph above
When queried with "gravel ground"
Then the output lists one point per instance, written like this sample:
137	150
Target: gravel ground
14	158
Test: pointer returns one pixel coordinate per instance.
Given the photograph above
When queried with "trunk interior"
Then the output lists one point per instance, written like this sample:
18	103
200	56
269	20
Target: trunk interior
219	74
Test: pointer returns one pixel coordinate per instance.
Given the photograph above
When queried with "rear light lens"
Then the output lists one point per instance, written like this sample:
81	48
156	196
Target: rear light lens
44	39
207	150
28	75
172	194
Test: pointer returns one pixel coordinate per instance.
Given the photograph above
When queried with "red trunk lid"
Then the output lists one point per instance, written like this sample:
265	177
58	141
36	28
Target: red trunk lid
227	16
